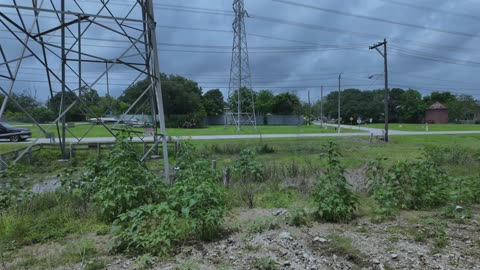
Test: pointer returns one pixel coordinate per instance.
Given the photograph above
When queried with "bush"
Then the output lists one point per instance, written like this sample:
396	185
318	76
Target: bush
299	217
465	190
248	176
454	155
154	228
198	196
121	182
194	208
335	202
410	185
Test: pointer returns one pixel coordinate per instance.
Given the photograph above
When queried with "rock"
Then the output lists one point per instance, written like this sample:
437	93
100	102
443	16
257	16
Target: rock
313	268
231	258
320	240
285	235
286	263
394	256
279	212
376	261
458	208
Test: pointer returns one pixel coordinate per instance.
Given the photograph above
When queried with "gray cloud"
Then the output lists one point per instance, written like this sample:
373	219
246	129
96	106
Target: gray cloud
299	71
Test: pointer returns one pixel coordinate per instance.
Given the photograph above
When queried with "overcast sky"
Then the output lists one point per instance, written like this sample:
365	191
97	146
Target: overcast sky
294	46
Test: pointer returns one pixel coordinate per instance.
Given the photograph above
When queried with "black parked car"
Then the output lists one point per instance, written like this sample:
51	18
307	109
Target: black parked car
14	134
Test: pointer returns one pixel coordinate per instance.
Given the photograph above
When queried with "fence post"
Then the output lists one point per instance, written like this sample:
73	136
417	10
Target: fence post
30	157
145	148
226	177
371	137
3	164
214	165
176	147
98	149
70	149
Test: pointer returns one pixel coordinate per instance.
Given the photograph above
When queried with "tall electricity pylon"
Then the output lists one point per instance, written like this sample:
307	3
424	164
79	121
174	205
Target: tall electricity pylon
71	36
241	100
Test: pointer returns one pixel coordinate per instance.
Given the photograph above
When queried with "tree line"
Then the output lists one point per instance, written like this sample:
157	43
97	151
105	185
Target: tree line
405	106
185	104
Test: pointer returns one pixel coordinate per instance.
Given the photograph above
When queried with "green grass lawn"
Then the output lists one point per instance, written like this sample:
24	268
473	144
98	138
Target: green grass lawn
356	151
80	129
431	127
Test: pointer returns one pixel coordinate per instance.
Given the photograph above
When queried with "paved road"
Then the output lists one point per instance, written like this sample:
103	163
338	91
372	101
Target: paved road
378	131
363	131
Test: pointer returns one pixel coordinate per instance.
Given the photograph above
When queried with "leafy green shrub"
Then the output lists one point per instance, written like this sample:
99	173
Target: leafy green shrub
452	155
260	225
199	197
194	208
265	264
299	217
144	262
465	190
335	202
154	228
119	183
248	175
411	185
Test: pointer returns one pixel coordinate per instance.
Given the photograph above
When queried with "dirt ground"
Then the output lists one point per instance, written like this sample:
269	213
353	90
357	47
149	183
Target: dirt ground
264	240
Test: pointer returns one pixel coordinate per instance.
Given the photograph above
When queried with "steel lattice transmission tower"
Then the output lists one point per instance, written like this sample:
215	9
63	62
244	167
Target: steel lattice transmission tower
242	106
62	40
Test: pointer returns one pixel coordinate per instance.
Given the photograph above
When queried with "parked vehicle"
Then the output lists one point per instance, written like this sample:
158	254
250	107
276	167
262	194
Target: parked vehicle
105	120
14	134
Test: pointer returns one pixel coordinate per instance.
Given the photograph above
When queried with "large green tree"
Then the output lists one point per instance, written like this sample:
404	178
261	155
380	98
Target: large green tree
74	114
182	100
264	101
411	107
286	104
247	95
213	102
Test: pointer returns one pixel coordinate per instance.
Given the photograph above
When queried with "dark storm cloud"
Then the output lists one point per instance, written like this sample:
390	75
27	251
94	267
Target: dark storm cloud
307	70
355	64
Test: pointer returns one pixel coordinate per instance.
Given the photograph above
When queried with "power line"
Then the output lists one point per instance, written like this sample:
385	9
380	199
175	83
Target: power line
378	19
415	6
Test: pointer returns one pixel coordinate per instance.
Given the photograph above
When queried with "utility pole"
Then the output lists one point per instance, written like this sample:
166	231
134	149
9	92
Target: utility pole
386	101
309	109
321	106
339	84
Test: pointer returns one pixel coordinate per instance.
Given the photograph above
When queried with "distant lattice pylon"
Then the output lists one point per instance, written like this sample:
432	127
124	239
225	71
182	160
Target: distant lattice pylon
240	92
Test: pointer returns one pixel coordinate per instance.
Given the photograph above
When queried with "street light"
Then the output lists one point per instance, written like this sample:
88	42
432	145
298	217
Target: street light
374	75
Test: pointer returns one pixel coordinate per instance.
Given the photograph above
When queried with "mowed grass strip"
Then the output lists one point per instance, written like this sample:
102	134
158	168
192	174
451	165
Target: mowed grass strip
81	129
431	127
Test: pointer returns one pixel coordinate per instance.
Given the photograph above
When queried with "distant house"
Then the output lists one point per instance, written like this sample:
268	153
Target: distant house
436	114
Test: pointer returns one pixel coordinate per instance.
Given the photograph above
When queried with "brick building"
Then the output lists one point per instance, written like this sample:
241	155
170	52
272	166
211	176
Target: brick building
436	114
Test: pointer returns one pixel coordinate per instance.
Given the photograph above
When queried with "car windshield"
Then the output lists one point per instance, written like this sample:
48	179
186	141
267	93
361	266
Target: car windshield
7	125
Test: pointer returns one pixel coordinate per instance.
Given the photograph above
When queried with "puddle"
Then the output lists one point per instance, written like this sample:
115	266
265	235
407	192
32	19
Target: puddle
46	185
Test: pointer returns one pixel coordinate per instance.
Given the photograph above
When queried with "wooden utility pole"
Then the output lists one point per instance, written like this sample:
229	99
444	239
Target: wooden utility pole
321	106
309	109
339	84
386	101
